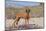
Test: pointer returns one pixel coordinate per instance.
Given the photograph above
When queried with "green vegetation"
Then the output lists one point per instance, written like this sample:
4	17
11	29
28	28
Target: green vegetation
37	10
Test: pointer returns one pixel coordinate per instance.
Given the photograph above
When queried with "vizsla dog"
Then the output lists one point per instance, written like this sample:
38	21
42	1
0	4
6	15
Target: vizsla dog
22	15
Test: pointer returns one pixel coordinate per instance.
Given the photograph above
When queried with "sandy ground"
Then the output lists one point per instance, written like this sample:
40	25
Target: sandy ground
37	21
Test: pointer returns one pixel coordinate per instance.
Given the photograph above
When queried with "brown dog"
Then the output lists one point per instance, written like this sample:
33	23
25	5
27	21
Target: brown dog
22	15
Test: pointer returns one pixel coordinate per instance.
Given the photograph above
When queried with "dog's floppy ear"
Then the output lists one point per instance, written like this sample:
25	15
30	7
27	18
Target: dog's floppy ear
29	10
26	10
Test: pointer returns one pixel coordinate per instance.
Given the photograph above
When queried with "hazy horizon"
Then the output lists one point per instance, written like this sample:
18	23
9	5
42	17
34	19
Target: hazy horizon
20	3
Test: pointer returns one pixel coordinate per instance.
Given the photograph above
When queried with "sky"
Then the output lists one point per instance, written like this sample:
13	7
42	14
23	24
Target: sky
20	3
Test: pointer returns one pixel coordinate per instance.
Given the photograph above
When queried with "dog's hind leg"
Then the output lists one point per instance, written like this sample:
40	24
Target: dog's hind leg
15	24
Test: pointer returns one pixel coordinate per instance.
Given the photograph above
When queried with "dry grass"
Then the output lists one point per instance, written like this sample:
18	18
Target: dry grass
37	21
